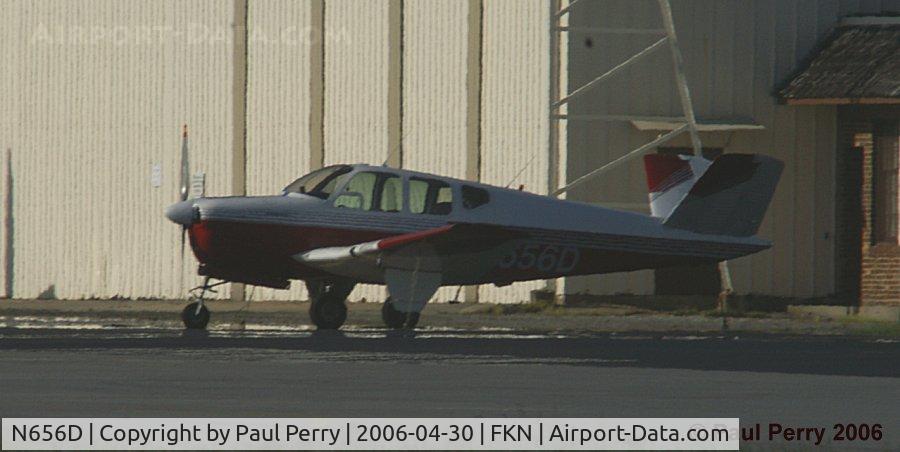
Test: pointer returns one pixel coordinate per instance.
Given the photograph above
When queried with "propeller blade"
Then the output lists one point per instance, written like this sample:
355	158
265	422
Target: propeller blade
185	165
183	234
185	179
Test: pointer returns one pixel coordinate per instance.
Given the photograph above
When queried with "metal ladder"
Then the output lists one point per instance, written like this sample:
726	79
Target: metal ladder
558	101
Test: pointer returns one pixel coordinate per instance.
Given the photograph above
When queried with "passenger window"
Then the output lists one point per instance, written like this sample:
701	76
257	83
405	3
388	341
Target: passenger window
358	193
418	192
473	197
430	196
391	194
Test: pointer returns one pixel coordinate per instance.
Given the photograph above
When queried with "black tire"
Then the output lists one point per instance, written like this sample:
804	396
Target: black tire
412	319
392	318
194	320
328	312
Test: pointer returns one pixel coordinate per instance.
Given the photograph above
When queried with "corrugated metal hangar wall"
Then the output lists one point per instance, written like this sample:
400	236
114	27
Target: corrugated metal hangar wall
94	93
92	96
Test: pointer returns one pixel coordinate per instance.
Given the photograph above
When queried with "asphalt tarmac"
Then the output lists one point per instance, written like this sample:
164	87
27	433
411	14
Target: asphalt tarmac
142	372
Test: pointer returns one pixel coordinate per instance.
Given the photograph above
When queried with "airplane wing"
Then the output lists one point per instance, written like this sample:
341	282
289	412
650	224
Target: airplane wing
451	238
415	264
339	253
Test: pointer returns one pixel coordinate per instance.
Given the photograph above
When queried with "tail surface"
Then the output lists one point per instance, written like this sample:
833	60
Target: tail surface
669	178
727	196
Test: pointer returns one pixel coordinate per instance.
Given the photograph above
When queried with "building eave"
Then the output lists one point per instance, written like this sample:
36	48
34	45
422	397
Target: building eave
845	101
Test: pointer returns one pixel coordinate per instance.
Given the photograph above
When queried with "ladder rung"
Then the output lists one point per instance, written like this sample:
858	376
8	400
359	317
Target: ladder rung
610	72
565	10
602	117
611	30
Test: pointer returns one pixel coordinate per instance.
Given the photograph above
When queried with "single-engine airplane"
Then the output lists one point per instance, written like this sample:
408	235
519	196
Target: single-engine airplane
414	232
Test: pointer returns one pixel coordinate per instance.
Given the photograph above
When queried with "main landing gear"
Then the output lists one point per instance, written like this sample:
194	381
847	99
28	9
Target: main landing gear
196	315
328	309
395	319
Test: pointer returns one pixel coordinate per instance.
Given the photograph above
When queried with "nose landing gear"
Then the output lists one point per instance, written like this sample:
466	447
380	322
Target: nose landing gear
195	315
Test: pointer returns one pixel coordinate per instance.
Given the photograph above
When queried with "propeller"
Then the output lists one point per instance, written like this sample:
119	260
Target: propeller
185	181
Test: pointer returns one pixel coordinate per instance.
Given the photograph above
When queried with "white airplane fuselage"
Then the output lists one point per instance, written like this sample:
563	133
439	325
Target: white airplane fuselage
516	236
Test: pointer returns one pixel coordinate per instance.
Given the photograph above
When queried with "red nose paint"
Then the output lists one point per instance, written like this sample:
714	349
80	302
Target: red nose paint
201	240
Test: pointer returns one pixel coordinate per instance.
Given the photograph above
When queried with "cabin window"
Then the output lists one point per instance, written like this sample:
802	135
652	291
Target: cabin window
430	196
391	199
473	197
372	191
328	186
320	183
358	193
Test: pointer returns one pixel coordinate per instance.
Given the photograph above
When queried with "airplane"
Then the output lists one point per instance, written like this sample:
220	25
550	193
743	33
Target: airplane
413	232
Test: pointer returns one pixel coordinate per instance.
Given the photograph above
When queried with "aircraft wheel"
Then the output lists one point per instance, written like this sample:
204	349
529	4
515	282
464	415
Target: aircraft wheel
411	320
392	318
195	320
328	312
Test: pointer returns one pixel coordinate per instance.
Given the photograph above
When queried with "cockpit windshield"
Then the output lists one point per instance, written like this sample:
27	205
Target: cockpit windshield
320	183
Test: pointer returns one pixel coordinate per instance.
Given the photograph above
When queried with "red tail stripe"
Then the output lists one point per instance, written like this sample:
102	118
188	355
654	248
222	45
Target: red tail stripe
659	167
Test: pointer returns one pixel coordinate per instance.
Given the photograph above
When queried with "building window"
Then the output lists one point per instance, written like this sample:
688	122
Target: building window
885	182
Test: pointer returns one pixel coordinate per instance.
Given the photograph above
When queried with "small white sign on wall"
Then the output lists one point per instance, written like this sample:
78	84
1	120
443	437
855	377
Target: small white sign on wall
156	175
198	185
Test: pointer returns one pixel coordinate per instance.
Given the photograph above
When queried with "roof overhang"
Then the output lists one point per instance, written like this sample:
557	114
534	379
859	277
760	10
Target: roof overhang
838	101
857	64
857	21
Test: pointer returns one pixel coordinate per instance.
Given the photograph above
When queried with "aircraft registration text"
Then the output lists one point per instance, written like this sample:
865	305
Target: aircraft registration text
541	257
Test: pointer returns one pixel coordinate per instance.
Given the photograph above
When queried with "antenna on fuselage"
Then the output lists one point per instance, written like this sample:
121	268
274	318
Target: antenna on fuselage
524	167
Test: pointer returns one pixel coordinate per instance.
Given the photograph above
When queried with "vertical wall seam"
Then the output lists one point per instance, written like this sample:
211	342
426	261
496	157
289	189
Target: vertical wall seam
317	85
395	84
401	40
474	63
473	90
239	100
239	113
553	125
9	254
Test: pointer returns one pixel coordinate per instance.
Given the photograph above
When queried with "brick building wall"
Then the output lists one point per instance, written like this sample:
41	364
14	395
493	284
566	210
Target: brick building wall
867	271
880	266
